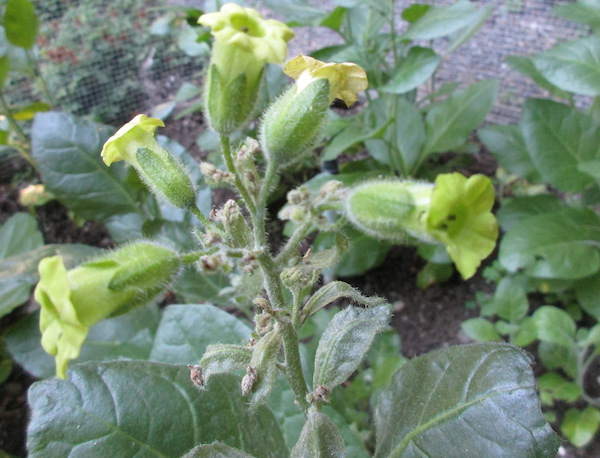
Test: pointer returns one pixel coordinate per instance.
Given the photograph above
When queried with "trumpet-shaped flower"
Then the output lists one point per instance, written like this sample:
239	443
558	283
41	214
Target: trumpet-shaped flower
244	43
295	122
346	80
455	211
74	300
135	144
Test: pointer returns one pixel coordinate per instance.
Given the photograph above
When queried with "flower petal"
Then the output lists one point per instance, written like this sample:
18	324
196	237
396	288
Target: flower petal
140	126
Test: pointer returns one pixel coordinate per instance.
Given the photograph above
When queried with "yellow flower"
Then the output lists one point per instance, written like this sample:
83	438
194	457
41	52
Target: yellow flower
346	80
246	29
117	148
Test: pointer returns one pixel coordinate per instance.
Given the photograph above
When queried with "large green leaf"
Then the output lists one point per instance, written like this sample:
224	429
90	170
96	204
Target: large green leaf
588	292
555	326
419	65
517	209
19	273
554	245
19	234
467	401
558	138
573	66
442	21
20	23
128	336
197	287
507	144
526	66
346	341
449	123
67	151
584	11
216	450
134	408
186	330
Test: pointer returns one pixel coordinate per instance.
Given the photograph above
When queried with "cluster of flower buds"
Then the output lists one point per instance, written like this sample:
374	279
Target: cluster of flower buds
454	211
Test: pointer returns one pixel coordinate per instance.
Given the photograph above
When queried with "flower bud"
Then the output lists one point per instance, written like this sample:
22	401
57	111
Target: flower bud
295	122
34	195
72	301
455	211
244	42
135	143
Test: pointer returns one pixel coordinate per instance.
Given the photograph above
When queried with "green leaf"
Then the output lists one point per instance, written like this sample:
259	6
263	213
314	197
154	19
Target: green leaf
510	301
364	253
573	66
419	65
414	12
515	210
128	408
4	69
461	36
554	386
526	333
481	330
186	330
20	23
216	450
319	437
580	426
591	168
587	291
28	112
19	234
67	151
333	291
19	273
442	21
449	123
507	144
555	356
346	341
553	245
526	66
450	401
128	336
196	287
585	12
348	138
558	138
555	325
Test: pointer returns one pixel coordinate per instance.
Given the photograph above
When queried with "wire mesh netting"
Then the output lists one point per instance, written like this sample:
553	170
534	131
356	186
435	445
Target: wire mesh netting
109	59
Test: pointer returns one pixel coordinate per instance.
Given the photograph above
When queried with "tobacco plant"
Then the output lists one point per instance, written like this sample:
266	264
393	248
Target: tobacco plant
549	172
193	380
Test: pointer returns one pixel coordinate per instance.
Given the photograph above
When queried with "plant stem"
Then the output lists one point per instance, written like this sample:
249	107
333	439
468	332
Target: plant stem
292	244
226	147
198	214
293	365
11	120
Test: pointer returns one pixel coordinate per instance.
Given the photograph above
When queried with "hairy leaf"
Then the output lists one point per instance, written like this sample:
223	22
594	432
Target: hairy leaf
129	408
186	330
67	151
454	402
346	341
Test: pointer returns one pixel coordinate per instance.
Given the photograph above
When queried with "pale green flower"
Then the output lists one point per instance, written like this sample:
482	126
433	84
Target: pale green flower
246	29
346	80
140	130
74	300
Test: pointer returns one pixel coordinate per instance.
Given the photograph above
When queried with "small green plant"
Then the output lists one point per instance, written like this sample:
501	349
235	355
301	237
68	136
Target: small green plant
550	217
200	382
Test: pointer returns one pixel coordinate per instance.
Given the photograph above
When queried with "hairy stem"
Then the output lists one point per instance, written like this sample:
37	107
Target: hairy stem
226	147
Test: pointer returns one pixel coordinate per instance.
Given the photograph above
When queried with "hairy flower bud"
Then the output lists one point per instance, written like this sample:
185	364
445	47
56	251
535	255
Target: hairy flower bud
295	122
166	177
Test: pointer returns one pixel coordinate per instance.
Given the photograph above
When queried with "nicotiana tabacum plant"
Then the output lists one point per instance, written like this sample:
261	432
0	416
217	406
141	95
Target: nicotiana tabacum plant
209	385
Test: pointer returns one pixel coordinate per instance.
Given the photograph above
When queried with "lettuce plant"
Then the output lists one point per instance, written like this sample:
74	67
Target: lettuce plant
193	380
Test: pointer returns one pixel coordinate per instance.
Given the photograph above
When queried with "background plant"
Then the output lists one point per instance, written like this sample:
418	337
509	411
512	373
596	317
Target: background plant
552	228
